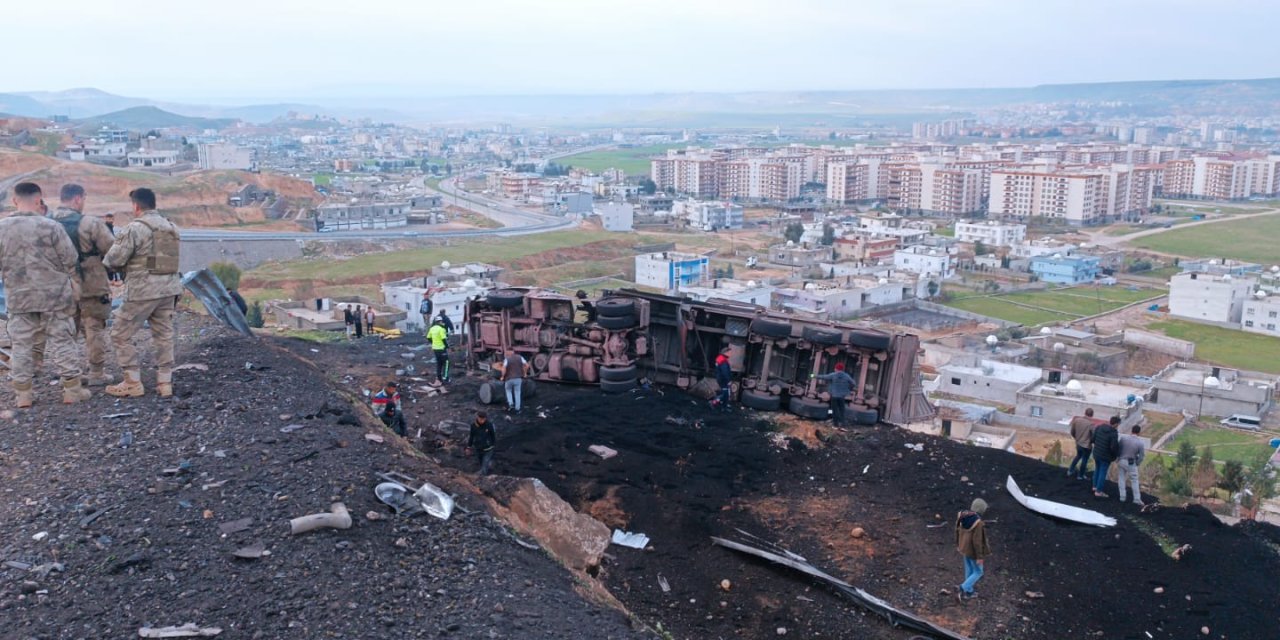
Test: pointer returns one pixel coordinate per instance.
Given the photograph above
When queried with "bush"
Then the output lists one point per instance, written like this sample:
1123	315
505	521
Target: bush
228	273
1055	456
254	317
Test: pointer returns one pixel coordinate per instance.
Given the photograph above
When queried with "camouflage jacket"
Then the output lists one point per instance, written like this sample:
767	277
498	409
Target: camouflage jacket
132	248
95	239
37	263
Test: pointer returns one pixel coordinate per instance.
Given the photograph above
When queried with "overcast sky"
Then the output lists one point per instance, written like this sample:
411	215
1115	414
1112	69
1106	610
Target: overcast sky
226	50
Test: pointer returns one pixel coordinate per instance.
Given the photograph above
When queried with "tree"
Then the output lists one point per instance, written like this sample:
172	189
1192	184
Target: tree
728	273
793	232
254	317
648	187
932	288
1055	456
979	248
828	235
1232	479
1186	457
1205	476
228	273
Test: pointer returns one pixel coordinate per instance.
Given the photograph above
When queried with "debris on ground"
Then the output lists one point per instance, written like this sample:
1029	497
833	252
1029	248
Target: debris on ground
189	630
602	451
336	518
629	539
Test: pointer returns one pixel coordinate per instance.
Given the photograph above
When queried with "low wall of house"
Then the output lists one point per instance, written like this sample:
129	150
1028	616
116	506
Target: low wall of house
1183	349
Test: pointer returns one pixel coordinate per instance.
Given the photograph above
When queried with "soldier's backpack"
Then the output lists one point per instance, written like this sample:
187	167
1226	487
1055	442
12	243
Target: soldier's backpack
71	224
163	260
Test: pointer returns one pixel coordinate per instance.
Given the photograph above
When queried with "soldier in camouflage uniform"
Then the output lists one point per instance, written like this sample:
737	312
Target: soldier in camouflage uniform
37	263
147	252
93	242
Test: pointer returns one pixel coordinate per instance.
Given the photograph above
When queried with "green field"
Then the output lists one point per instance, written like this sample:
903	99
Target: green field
634	160
1250	239
1229	347
372	264
1228	444
1055	306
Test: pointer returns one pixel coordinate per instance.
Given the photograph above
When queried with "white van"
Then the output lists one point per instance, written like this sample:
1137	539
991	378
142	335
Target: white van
1252	423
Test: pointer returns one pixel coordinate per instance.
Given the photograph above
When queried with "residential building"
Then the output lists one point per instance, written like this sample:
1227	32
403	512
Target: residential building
158	158
1222	177
373	215
449	297
925	260
1205	390
1024	194
708	216
1209	298
1059	269
847	182
616	216
988	380
1059	401
218	156
744	291
1043	247
991	233
799	255
512	184
1261	314
865	249
670	270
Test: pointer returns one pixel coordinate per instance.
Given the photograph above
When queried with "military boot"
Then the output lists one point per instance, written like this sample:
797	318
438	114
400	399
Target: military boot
73	392
22	397
130	387
164	383
97	377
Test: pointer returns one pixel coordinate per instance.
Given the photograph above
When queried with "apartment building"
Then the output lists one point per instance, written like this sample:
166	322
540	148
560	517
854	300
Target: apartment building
950	191
1079	198
925	261
1209	298
1261	314
670	270
1059	269
708	216
865	249
1222	177
799	255
847	182
991	233
776	179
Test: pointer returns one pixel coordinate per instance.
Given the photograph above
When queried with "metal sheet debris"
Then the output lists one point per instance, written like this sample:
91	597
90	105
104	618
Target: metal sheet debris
1057	509
629	539
209	290
189	630
602	451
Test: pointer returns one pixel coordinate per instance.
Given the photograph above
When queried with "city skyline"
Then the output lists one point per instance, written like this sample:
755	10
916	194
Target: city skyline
291	50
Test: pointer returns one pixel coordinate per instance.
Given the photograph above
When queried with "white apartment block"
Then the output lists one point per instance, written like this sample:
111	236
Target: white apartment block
1209	298
991	233
670	270
1222	177
924	260
708	216
847	182
1261	315
1023	194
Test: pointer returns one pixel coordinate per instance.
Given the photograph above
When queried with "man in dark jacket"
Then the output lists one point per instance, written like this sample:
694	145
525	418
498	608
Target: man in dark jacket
443	319
482	441
393	418
347	318
1082	432
840	386
239	300
1106	446
724	376
971	542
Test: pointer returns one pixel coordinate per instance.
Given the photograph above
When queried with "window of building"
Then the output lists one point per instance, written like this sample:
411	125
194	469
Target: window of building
1271	327
1248	323
1037	412
955	381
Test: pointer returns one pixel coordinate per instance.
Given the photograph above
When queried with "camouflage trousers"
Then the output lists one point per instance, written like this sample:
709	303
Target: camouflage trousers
91	322
129	319
59	333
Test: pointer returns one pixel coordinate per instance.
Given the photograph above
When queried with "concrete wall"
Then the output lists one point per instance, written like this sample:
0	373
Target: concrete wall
979	386
198	254
1160	344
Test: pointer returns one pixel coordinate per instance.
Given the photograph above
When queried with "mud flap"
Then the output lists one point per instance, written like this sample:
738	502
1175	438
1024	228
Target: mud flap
207	288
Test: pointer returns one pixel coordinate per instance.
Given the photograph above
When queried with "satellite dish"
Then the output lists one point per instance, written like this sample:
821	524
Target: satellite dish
883	281
1057	256
752	283
1045	331
1059	347
791	243
469	283
445	264
1226	278
1260	294
1214	261
992	340
1074	385
1275	268
810	287
1212	382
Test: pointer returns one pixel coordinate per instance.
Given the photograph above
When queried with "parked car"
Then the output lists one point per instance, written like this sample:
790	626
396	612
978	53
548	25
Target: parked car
1239	421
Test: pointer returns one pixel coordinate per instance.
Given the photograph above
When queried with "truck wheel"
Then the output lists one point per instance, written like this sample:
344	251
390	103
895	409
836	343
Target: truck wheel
618	374
617	323
505	298
528	389
617	386
491	392
760	400
870	340
771	328
867	418
825	337
616	307
808	408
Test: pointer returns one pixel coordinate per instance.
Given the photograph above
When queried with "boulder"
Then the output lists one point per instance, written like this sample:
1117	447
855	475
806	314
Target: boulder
577	540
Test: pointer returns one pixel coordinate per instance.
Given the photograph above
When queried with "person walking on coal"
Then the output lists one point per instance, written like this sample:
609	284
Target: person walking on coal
1106	445
840	385
514	370
971	542
724	377
1082	432
358	318
1131	452
347	319
482	441
439	337
387	406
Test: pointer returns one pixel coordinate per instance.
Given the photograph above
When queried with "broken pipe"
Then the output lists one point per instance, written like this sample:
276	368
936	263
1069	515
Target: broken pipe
336	518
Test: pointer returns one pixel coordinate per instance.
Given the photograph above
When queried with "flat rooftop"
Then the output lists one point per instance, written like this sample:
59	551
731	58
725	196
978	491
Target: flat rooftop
999	370
1100	393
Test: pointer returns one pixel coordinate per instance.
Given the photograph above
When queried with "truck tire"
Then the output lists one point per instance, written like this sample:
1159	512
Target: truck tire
491	392
824	337
505	298
616	307
617	323
528	389
760	400
771	328
618	374
808	408
870	340
617	386
868	418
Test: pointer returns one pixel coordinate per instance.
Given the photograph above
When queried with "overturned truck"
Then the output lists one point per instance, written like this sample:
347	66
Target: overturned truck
627	336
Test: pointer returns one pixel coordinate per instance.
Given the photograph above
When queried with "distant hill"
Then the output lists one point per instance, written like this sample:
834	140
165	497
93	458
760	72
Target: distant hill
20	105
144	118
83	102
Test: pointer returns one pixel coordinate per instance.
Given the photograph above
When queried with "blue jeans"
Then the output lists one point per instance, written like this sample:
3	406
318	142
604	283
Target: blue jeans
486	459
1082	456
722	398
514	386
972	574
1100	468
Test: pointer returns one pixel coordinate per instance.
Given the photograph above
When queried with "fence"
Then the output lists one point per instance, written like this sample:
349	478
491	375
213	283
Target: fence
1182	349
